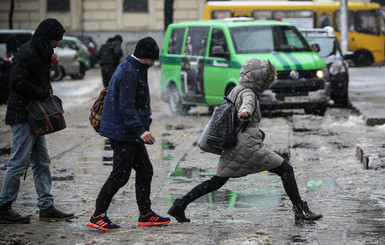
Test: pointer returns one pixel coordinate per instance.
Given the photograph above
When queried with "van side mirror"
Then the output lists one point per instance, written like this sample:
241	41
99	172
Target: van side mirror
218	51
316	47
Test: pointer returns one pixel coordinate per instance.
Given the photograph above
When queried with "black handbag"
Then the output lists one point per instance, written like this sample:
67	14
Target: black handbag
46	116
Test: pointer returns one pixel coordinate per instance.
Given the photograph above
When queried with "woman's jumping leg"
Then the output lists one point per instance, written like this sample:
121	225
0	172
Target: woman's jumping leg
301	209
180	205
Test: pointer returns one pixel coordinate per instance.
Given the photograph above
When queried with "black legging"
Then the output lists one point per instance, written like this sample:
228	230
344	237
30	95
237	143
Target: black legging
285	171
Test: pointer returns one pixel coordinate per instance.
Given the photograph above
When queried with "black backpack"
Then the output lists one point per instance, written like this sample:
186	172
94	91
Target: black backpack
221	131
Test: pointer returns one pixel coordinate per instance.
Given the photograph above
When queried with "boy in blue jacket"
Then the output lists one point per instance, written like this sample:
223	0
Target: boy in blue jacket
126	123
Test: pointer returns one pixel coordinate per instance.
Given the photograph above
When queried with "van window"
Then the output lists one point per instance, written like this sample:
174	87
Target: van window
337	18
262	15
266	39
300	18
218	45
324	20
196	41
221	14
176	41
366	22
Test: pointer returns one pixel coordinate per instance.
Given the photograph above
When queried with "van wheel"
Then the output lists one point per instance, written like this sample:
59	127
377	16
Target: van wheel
175	103
363	58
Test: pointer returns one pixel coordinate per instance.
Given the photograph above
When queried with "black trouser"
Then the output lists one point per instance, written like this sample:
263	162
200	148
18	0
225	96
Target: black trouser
285	171
126	156
107	72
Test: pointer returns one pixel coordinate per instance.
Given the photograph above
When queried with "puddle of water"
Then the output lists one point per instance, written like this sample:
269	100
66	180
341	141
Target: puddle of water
246	194
167	145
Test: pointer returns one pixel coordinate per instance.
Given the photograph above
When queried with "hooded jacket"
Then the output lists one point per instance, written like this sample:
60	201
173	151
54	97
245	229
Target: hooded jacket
126	110
249	155
30	75
110	53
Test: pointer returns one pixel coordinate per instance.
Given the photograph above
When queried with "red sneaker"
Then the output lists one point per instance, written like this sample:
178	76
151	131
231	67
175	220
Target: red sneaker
152	219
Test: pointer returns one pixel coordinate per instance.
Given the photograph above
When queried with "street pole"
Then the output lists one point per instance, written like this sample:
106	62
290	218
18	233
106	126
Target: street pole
344	26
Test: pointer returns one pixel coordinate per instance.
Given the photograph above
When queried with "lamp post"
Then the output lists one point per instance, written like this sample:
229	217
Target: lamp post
344	26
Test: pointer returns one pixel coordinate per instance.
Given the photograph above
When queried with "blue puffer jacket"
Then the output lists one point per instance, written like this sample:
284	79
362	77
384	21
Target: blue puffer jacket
126	113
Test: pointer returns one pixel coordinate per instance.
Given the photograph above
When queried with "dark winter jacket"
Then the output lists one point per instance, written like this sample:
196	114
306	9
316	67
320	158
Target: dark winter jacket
110	53
30	76
126	112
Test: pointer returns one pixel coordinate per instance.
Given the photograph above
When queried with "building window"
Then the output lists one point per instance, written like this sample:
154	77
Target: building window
135	6
58	6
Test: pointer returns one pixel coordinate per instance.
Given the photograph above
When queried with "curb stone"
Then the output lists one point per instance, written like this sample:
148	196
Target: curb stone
371	156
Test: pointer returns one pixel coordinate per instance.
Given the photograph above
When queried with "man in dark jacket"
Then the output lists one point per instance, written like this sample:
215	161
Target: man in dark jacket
30	80
126	123
109	55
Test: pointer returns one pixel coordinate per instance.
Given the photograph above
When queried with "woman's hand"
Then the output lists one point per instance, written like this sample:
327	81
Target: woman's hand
244	114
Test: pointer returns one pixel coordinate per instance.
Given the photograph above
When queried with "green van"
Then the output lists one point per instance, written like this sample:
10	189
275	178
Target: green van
201	62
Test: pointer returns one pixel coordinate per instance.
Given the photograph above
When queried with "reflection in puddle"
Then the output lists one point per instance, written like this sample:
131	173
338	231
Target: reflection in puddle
246	194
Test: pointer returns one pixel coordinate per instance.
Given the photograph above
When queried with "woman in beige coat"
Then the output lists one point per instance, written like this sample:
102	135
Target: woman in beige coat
249	155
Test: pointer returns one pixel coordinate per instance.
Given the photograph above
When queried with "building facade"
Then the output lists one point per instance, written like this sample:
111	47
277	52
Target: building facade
101	19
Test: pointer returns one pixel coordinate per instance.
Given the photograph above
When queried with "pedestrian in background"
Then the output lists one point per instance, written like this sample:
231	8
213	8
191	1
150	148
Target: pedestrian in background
249	155
109	56
30	80
126	123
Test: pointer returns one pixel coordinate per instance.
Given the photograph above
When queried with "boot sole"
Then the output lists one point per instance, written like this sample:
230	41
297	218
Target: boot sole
57	219
15	222
179	219
153	223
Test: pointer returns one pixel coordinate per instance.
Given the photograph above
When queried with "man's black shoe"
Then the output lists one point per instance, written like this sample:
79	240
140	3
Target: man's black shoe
9	216
52	213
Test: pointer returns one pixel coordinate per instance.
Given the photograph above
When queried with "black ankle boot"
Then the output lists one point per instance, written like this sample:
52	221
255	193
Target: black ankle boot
177	211
52	213
303	212
9	216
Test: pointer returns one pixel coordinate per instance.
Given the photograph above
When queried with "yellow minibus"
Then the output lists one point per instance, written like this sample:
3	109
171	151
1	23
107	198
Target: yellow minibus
365	21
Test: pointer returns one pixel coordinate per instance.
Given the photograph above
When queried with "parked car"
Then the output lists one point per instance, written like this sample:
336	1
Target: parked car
55	72
201	62
14	39
10	43
330	52
89	42
82	52
69	64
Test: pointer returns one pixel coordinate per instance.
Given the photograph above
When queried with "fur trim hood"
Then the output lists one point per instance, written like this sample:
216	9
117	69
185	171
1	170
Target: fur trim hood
257	75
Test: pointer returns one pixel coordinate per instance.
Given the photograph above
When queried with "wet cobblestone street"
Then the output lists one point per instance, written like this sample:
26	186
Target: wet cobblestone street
248	210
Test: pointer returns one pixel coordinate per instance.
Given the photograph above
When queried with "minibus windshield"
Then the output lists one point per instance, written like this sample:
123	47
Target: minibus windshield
266	39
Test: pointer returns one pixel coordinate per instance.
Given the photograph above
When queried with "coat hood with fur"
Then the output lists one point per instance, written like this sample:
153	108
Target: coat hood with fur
257	75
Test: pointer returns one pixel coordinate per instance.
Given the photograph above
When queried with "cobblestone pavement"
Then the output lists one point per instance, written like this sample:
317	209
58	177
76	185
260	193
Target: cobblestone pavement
249	210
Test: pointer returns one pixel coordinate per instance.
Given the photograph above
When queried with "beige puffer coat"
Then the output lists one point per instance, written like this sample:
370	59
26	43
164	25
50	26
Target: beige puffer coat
249	155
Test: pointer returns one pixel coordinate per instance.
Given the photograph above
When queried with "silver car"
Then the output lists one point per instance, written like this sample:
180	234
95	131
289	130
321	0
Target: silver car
68	63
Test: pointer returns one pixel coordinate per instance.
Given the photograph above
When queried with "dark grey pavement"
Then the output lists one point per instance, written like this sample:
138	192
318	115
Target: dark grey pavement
367	96
367	93
248	210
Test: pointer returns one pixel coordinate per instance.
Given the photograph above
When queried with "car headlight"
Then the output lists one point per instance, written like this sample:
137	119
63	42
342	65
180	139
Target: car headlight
337	67
320	74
